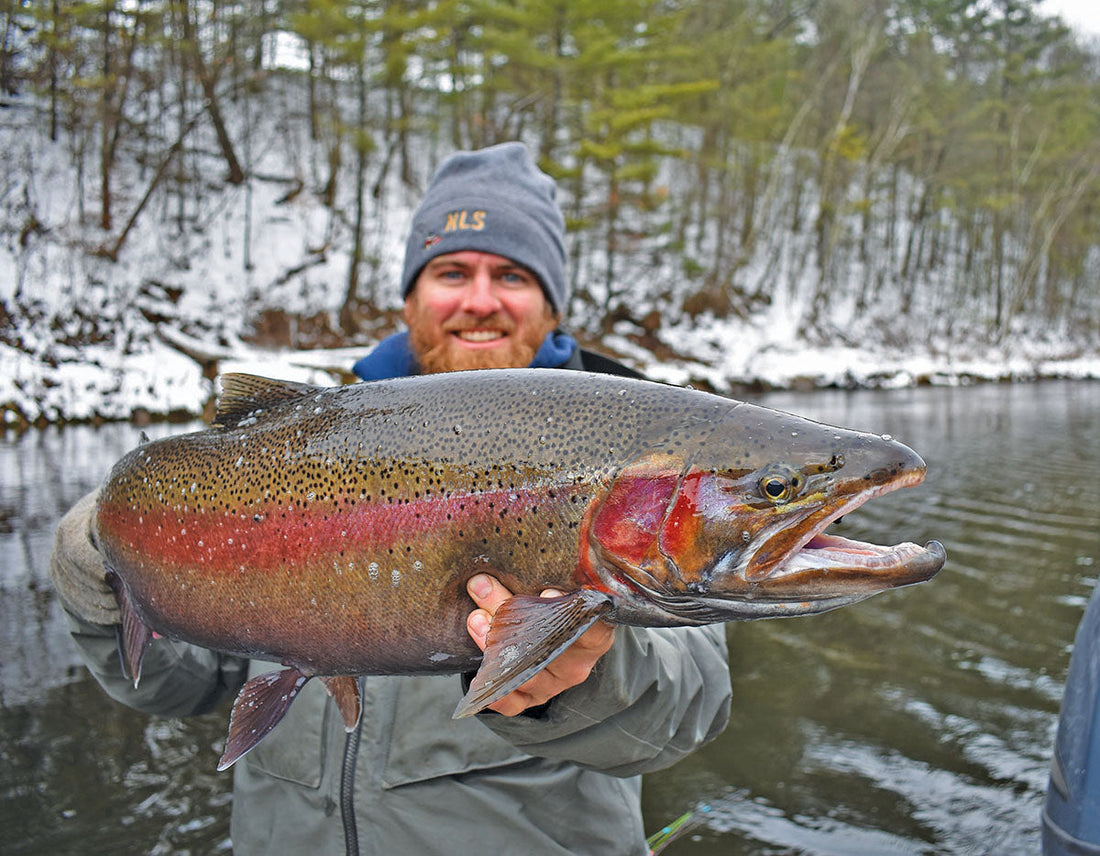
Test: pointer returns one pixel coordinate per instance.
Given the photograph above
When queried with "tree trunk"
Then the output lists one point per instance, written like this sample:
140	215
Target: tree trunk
208	82
106	120
351	294
113	251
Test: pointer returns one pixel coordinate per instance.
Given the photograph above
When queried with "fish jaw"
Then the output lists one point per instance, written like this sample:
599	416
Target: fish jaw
818	570
827	554
792	566
826	575
797	544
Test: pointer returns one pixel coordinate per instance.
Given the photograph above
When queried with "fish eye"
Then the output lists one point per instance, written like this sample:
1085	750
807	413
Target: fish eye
775	487
780	485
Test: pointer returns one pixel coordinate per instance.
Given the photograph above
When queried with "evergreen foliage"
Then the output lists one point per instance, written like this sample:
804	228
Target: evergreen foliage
933	159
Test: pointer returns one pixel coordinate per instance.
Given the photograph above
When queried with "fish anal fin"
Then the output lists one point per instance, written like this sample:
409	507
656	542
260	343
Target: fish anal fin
527	633
133	636
260	705
344	690
246	395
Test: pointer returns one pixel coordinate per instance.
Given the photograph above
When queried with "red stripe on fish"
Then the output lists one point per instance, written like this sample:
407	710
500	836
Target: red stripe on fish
269	537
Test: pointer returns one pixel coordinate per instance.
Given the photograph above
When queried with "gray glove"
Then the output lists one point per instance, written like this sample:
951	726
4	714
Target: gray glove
77	567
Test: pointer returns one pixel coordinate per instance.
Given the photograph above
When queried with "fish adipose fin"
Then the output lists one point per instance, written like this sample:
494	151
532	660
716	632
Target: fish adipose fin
261	704
133	636
528	633
344	690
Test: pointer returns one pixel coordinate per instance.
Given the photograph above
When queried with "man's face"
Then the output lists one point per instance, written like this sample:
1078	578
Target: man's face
474	310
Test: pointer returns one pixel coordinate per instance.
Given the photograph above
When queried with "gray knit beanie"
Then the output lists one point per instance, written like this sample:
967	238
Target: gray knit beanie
494	200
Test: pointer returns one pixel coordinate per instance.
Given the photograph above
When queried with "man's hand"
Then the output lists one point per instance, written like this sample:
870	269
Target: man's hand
570	668
76	567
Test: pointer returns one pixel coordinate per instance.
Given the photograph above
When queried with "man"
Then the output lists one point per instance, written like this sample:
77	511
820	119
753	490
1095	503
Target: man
1071	813
554	767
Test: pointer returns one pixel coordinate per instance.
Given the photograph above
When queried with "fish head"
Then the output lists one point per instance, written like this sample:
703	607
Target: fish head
732	525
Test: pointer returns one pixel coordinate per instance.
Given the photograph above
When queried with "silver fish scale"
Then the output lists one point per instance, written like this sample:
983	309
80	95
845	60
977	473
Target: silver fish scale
541	418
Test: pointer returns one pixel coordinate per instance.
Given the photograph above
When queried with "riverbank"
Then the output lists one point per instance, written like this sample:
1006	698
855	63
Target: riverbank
255	274
172	376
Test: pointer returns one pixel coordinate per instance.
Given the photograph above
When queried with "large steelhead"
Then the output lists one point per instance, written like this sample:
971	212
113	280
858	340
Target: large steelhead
334	530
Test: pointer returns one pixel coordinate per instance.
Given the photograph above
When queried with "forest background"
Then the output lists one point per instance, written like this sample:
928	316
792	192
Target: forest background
757	192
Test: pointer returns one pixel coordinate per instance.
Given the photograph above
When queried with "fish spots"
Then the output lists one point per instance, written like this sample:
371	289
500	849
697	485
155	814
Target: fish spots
355	484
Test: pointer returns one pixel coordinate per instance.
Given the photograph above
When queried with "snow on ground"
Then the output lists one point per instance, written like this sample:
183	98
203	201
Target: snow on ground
162	381
195	272
731	355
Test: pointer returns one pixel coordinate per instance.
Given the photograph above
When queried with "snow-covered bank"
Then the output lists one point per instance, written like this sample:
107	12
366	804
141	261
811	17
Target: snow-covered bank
733	358
212	272
160	381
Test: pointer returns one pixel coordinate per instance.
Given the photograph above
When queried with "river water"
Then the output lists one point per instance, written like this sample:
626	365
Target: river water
918	722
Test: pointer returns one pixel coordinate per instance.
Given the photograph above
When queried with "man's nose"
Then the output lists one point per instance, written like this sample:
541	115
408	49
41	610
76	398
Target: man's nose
480	297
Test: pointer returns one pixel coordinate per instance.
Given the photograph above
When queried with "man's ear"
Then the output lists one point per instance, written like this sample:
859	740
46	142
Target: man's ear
551	313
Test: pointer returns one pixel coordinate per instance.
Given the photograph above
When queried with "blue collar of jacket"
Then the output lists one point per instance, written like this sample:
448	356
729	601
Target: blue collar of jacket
392	357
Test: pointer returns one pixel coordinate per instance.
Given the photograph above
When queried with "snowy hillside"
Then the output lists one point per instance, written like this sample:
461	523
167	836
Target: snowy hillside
243	277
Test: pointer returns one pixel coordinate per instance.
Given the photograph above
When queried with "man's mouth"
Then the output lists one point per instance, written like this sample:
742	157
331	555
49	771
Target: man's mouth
479	336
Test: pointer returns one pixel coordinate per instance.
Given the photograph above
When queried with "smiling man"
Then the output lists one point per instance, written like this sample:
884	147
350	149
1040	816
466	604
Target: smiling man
555	768
471	310
484	286
484	275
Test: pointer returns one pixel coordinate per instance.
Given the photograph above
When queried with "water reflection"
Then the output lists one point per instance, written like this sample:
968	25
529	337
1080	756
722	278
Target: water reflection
78	773
922	720
918	722
42	473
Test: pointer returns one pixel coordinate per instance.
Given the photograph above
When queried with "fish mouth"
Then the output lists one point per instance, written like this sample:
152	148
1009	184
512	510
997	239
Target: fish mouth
901	564
820	562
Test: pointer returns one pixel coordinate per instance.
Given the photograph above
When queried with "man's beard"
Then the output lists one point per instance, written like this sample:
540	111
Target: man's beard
437	354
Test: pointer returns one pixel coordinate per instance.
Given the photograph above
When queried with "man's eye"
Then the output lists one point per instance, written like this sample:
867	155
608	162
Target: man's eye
515	278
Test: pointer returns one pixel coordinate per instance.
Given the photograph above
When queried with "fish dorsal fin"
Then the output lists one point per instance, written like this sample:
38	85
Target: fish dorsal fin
246	394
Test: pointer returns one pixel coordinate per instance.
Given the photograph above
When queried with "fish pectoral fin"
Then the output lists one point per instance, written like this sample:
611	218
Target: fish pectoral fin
260	705
527	633
344	690
133	636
